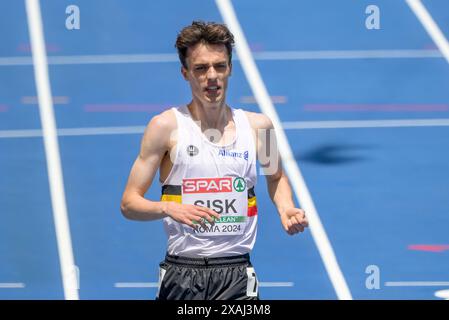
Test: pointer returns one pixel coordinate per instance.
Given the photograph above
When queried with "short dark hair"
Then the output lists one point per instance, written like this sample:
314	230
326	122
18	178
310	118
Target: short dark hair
205	32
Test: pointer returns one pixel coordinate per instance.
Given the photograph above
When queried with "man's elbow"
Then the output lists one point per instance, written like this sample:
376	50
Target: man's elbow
124	208
275	177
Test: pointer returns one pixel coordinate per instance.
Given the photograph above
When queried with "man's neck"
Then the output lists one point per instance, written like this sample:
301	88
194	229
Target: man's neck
213	116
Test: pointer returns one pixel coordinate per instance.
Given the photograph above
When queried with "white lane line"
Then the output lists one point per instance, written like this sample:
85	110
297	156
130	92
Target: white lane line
444	294
114	58
52	150
431	27
16	61
288	125
12	285
156	285
265	55
27	133
93	131
300	125
300	188
100	131
276	284
346	54
417	283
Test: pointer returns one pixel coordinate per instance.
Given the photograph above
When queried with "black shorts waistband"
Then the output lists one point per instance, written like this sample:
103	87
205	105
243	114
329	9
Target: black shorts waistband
205	261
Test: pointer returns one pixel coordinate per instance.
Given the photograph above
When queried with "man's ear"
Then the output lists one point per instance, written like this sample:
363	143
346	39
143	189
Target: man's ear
230	68
184	72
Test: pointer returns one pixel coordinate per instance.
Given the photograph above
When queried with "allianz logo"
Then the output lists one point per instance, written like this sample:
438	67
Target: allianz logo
233	154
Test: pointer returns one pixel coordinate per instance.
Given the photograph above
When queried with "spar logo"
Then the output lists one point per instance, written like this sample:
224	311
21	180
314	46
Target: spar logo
239	184
213	185
207	185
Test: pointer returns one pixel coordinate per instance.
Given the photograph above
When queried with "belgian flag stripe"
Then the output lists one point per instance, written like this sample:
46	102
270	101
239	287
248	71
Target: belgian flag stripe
252	207
171	197
171	189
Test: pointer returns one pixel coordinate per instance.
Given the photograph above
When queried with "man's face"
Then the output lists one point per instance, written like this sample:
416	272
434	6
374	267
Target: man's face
208	71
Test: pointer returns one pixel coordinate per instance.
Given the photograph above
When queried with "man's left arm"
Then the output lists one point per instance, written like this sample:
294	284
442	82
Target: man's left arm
293	219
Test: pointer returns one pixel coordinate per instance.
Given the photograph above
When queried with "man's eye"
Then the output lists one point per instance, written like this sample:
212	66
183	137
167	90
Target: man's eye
200	68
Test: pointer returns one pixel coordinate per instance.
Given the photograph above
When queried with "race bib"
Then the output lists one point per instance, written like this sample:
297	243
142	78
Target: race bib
227	196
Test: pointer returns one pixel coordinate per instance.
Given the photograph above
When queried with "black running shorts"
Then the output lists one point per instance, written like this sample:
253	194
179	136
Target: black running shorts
224	278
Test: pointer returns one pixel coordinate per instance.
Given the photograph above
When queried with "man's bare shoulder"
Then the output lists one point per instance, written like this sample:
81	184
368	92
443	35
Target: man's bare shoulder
259	120
164	122
159	130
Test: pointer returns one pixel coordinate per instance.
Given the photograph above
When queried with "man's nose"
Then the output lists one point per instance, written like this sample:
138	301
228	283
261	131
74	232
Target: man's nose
211	73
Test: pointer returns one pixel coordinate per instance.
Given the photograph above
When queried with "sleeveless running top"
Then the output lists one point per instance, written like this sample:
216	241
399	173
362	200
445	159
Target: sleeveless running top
219	177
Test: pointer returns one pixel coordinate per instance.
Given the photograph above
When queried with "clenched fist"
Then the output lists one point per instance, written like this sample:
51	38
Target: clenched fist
294	220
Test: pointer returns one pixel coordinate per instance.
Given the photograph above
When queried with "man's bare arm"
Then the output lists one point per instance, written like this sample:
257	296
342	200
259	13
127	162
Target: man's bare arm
155	144
293	219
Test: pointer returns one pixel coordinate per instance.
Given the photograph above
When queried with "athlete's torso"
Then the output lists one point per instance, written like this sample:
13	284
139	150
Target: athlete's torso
221	177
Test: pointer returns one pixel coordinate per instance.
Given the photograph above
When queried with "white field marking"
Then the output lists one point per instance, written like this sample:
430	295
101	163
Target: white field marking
346	54
12	285
266	55
444	294
94	131
32	100
114	58
27	133
155	284
431	27
292	125
300	188
417	283
101	131
55	177
289	125
276	284
16	61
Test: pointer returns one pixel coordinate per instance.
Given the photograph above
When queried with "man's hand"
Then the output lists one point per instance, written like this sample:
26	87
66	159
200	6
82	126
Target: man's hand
188	213
294	220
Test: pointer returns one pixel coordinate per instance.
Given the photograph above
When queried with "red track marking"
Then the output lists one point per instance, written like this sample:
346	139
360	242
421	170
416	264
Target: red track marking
431	46
429	247
34	100
256	47
274	99
50	47
125	107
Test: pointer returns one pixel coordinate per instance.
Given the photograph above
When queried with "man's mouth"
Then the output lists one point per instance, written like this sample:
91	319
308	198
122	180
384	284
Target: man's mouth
212	89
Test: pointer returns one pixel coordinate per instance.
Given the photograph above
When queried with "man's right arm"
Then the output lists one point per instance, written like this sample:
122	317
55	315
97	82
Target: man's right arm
155	144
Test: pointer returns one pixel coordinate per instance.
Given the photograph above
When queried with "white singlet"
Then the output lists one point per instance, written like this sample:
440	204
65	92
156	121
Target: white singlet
219	177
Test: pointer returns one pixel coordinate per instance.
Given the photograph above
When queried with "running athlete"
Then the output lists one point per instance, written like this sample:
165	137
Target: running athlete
206	154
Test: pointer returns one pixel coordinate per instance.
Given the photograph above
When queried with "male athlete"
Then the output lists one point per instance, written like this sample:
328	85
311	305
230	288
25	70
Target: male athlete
206	154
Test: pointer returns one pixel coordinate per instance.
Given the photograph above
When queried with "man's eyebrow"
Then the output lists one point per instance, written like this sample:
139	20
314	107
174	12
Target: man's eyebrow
200	64
206	64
